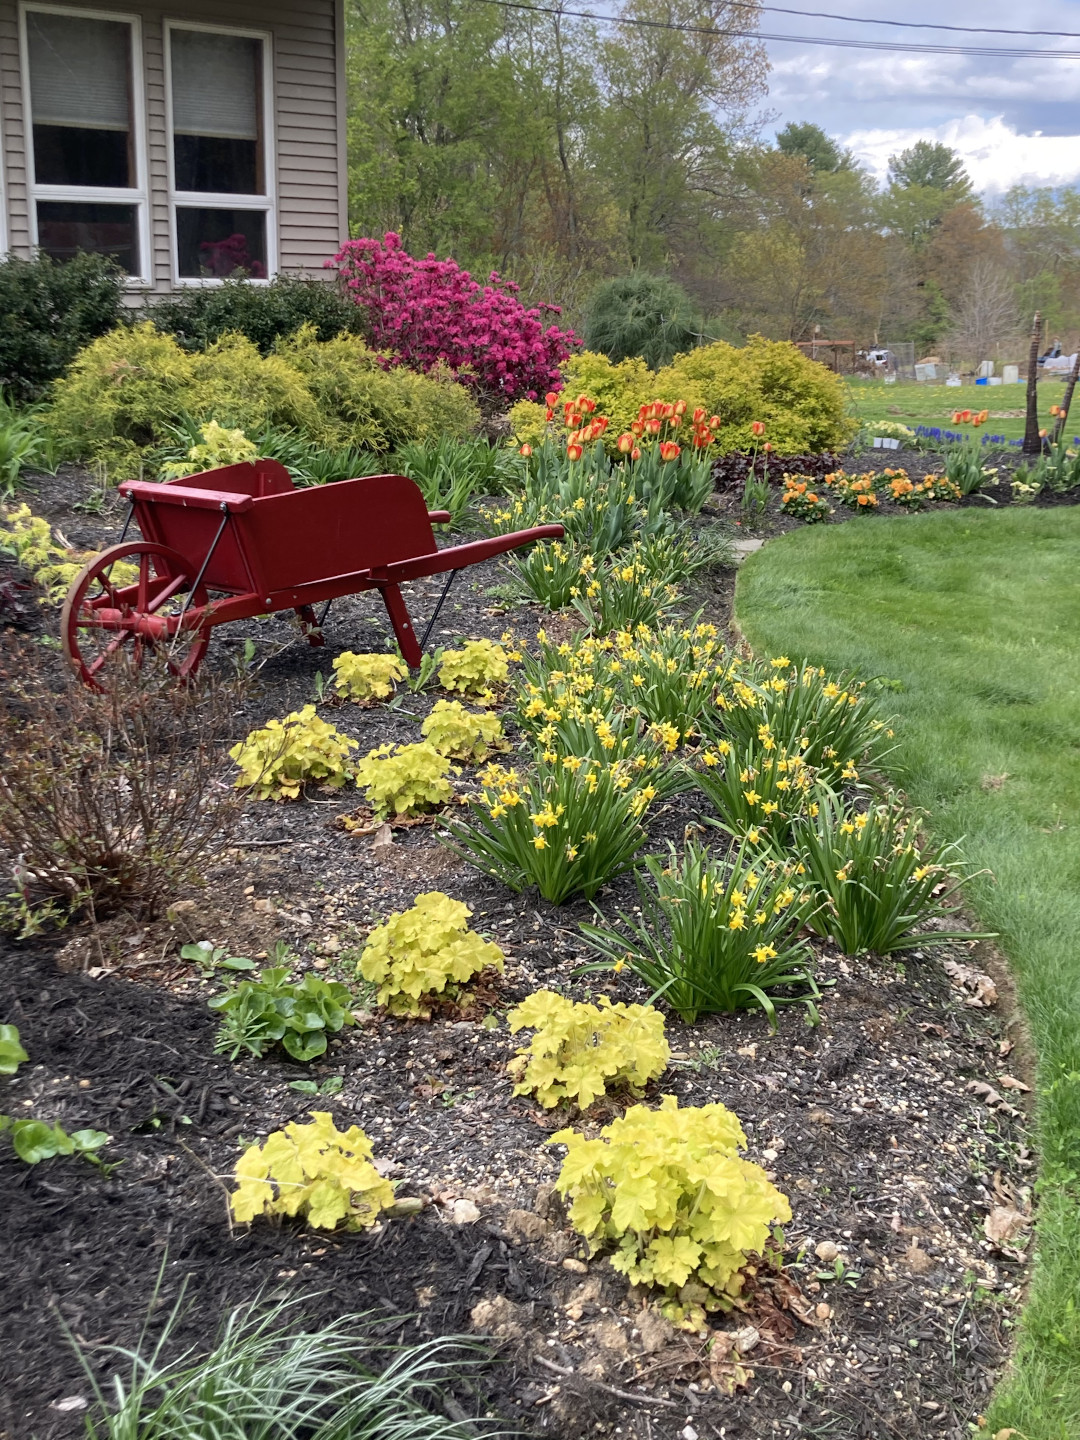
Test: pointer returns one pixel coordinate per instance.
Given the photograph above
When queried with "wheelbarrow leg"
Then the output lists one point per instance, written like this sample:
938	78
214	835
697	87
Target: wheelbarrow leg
309	625
399	619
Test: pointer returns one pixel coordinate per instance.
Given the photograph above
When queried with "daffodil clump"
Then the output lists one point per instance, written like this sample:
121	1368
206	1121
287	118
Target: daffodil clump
715	935
874	881
425	951
579	1051
758	788
832	724
405	779
368	677
277	761
317	1171
549	573
667	1195
621	594
566	825
461	734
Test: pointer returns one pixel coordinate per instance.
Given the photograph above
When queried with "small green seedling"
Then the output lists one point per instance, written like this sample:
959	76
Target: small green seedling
36	1140
330	1086
839	1275
12	1054
209	957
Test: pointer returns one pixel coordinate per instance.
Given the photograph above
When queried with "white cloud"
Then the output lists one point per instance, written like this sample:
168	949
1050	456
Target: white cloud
995	153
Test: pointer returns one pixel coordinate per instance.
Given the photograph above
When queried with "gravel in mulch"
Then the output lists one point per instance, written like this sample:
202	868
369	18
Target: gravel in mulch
894	1127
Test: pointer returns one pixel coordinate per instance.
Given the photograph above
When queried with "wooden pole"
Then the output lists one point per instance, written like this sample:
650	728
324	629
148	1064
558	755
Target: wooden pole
1069	388
1032	441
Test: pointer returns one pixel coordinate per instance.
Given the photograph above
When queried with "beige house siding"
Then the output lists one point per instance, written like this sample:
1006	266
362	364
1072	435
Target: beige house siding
307	75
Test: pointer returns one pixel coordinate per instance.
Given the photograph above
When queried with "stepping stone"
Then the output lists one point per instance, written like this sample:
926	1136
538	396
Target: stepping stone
743	548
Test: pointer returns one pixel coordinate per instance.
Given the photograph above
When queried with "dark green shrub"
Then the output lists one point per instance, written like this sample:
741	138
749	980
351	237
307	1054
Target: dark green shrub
48	312
264	313
646	315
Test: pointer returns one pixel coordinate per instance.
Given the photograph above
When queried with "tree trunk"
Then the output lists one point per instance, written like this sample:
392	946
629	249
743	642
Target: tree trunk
1032	440
1062	420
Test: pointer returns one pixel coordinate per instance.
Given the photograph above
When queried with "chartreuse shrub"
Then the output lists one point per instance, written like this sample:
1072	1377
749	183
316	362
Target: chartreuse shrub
579	1051
802	405
278	760
316	1170
270	1009
367	677
405	779
424	952
475	668
459	734
667	1192
28	538
833	723
214	448
758	789
875	881
714	936
567	825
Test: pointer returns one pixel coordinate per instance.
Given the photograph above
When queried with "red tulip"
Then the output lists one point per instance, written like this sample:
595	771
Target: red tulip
653	427
638	428
574	451
549	414
526	450
715	422
625	443
669	450
635	454
699	415
551	399
767	447
757	427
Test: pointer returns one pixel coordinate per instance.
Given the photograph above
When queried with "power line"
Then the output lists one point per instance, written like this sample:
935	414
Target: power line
836	42
902	24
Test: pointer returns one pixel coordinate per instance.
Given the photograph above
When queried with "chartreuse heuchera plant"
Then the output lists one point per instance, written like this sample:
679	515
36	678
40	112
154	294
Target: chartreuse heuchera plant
666	1193
579	1050
714	936
317	1171
459	734
405	779
425	952
475	668
367	677
277	761
12	1054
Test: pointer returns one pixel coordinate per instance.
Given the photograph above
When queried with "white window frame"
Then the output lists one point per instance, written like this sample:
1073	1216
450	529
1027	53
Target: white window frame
89	194
212	199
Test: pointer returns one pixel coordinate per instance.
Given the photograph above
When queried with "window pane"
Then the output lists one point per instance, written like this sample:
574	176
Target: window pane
80	96
218	243
216	108
66	227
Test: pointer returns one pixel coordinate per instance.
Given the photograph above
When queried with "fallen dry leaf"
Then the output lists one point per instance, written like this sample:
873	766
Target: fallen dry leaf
1004	1048
1003	1224
383	836
995	782
750	1051
981	990
1009	1082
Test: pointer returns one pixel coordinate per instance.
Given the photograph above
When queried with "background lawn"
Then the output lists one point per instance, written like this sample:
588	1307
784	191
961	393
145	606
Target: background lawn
929	405
976	615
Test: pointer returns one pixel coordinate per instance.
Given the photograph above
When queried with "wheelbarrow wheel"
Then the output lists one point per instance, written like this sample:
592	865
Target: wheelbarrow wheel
103	625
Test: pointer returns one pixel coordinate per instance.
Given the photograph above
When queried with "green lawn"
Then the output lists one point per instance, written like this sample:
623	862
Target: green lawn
912	404
976	615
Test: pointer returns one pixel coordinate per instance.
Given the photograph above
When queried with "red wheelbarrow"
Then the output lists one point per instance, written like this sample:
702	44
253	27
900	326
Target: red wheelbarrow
242	541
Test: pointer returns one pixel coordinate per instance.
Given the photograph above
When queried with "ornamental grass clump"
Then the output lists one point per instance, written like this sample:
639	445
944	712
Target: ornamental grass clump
580	1051
833	724
277	761
668	1193
475	668
874	881
758	789
317	1171
425	952
460	734
365	678
567	825
405	779
714	936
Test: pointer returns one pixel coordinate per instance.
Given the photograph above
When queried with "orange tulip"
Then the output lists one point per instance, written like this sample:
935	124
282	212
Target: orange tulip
715	422
680	408
965	414
574	451
625	443
526	450
551	399
767	447
699	415
1042	434
638	428
653	427
984	415
1054	409
669	450
549	414
635	454
757	427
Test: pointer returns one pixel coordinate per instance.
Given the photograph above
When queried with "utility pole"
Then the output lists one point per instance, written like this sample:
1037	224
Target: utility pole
1032	439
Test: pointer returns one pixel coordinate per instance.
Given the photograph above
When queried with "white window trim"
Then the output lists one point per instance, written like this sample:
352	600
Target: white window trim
212	200
136	196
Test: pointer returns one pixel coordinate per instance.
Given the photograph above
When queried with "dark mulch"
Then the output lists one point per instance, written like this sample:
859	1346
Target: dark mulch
866	1121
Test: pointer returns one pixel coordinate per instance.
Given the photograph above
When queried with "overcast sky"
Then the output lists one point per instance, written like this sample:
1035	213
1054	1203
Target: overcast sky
1014	121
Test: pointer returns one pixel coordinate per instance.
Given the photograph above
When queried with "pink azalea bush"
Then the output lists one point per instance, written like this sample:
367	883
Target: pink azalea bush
423	313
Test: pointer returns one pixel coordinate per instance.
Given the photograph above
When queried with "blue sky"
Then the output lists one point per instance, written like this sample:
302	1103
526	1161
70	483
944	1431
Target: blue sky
1014	121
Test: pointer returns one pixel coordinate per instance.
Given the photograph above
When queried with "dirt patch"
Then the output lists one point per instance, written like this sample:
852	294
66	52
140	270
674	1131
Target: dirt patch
886	1320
